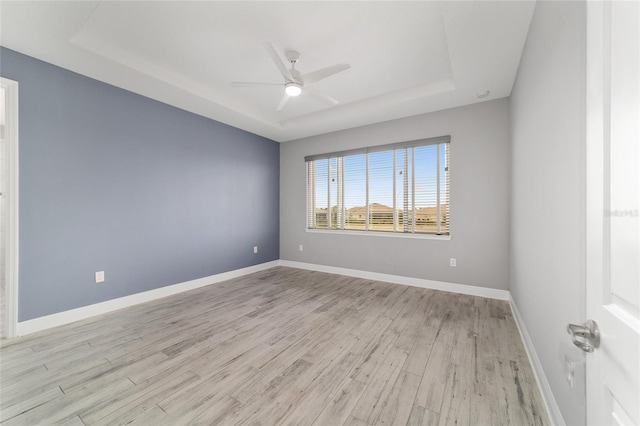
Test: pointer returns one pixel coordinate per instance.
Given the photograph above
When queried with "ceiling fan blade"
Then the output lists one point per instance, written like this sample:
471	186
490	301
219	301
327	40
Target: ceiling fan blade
283	102
252	84
312	91
276	60
323	73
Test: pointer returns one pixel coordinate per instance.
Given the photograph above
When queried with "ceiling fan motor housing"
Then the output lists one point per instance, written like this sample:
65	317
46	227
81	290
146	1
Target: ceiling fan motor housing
297	77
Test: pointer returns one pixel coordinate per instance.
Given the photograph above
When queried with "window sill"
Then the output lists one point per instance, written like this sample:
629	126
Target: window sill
380	234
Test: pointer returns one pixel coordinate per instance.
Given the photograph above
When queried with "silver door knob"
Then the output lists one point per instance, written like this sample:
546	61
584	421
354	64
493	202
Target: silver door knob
586	337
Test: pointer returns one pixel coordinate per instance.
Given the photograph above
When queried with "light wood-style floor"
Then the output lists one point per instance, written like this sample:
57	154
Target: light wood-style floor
282	346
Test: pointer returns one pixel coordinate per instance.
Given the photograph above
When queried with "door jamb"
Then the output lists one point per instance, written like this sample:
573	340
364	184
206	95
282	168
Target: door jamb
11	203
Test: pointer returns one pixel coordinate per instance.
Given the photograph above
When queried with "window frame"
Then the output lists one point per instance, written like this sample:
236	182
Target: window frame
338	156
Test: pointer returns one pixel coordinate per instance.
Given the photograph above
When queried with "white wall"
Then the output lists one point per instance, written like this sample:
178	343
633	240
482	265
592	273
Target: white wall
479	201
548	193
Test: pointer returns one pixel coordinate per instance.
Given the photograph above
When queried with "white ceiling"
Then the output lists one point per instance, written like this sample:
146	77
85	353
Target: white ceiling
406	58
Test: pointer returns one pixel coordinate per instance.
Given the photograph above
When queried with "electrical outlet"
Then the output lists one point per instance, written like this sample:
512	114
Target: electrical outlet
452	262
255	249
100	276
300	247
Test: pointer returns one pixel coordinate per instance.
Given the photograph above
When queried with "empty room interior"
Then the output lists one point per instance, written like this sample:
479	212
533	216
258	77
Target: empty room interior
324	213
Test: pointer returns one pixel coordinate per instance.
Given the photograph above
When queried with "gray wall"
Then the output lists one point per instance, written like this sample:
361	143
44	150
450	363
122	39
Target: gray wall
479	201
548	193
113	181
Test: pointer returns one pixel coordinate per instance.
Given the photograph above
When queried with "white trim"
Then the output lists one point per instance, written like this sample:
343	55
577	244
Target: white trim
543	384
84	312
66	317
11	225
490	293
391	234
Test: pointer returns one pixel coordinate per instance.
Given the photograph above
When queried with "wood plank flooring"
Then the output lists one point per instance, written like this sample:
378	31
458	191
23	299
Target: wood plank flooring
279	347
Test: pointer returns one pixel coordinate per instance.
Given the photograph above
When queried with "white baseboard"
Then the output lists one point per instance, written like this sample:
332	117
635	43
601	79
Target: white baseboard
543	384
84	312
66	317
490	293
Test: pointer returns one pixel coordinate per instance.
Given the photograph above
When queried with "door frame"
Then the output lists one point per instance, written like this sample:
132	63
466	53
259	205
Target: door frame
11	205
596	192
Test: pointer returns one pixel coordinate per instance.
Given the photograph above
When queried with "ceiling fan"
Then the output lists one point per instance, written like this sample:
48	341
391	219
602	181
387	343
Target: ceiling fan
294	82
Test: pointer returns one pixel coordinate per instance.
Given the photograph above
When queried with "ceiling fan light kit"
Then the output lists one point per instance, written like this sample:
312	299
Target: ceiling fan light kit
294	82
292	88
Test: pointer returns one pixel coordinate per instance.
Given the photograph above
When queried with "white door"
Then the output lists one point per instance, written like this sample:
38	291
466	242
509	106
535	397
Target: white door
613	203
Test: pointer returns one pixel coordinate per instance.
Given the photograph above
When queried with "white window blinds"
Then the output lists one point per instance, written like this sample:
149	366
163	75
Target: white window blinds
400	188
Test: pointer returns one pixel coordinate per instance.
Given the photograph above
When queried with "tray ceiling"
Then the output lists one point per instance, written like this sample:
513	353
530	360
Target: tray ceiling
406	58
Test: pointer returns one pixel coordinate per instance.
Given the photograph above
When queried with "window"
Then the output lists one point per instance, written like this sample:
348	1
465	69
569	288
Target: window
402	188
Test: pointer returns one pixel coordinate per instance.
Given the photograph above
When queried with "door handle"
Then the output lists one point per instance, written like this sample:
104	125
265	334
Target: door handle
586	337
